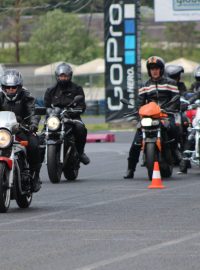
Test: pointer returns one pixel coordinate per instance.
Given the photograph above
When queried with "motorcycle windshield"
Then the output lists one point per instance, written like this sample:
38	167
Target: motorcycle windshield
7	119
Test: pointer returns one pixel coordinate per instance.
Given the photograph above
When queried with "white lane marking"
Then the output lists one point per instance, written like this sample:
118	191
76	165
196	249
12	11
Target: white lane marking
131	255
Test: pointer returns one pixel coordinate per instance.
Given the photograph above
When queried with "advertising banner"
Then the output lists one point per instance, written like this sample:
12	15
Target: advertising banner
177	10
122	55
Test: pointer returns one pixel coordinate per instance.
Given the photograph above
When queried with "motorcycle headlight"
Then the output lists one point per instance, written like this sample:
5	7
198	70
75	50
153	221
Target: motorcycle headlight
5	138
146	122
53	123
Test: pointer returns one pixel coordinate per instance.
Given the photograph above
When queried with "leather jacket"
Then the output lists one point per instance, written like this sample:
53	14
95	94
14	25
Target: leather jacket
59	97
182	88
23	106
162	92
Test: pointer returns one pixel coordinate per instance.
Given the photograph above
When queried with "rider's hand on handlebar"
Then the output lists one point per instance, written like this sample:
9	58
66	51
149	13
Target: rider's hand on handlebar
33	128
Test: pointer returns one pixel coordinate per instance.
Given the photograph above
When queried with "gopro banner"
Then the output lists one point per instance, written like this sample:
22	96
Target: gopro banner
122	55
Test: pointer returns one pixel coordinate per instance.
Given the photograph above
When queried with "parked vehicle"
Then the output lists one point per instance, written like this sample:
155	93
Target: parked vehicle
15	178
61	155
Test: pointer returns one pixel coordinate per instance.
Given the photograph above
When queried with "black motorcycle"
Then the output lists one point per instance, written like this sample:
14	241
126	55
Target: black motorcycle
61	155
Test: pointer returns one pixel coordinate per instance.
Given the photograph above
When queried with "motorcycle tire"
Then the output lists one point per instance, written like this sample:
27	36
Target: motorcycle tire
22	200
71	168
5	192
166	164
54	166
166	170
151	157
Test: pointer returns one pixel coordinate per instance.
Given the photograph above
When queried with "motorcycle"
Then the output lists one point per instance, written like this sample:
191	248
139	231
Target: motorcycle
15	178
61	155
156	145
194	133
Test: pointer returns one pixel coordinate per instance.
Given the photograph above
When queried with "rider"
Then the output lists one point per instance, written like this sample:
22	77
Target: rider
174	72
158	89
14	97
61	95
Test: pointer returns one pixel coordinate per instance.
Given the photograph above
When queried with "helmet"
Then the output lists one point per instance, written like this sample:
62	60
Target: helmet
66	69
197	73
174	71
11	77
155	61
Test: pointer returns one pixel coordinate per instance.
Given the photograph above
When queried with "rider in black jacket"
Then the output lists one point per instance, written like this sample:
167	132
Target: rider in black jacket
174	72
160	90
17	99
62	94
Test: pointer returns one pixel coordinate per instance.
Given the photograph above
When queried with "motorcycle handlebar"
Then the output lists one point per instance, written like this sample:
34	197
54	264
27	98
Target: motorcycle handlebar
24	128
71	110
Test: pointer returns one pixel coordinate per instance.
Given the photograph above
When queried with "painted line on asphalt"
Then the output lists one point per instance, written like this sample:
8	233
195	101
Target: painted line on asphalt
134	254
146	193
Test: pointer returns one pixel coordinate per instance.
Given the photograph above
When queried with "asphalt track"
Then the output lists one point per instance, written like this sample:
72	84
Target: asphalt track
104	222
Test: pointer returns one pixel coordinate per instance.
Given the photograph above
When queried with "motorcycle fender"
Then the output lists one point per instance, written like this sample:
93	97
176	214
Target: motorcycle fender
8	161
53	142
153	140
148	140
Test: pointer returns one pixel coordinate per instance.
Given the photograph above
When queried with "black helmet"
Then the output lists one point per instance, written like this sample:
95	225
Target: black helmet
155	61
197	73
174	71
11	77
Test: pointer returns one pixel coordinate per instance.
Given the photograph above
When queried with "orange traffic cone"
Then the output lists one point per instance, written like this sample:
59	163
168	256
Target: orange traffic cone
156	178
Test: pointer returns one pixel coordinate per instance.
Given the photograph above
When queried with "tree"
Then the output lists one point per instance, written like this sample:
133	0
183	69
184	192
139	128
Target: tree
61	36
149	3
11	13
183	33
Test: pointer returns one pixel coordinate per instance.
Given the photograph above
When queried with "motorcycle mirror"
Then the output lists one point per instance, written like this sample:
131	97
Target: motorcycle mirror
40	110
57	110
125	101
78	99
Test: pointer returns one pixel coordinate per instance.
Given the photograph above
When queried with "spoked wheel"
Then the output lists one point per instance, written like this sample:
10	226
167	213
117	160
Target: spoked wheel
54	166
22	200
5	192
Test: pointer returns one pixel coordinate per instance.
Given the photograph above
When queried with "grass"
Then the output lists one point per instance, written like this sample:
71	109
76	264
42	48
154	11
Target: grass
97	127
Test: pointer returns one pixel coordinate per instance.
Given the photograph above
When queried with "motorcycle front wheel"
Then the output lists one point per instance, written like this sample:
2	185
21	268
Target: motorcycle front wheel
22	200
151	157
5	192
54	166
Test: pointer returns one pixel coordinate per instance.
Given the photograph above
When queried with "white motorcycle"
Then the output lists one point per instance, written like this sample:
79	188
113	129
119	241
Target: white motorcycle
194	134
15	178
